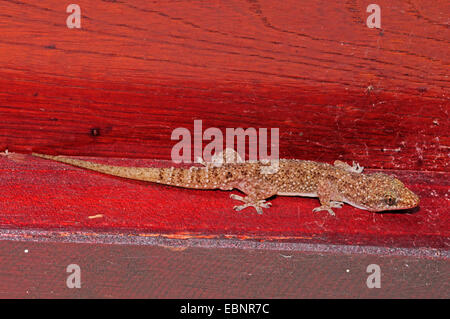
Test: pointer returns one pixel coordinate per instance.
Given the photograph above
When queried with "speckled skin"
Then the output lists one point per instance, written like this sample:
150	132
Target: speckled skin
334	185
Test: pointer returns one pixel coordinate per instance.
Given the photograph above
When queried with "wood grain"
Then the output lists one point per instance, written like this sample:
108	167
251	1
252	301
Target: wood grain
137	70
121	271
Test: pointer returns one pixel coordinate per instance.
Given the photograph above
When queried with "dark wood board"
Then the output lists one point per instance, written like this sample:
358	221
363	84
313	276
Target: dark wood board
38	270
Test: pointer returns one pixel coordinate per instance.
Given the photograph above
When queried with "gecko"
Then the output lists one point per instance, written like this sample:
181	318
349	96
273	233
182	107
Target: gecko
333	185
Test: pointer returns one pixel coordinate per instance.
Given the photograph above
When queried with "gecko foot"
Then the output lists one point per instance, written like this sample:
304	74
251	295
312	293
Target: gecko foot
200	160
357	168
327	208
335	204
249	202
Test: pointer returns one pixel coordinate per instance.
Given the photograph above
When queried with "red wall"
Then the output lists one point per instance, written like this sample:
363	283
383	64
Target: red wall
137	70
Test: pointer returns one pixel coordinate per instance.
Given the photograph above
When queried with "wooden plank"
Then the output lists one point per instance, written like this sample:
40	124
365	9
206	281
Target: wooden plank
137	70
41	194
38	270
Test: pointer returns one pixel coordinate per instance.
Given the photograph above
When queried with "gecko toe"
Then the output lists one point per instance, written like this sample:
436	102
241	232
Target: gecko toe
264	204
200	160
237	197
240	207
335	204
250	202
321	208
357	168
259	210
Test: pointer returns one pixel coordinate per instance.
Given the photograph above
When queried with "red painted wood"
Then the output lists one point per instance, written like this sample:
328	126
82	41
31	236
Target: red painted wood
40	194
136	70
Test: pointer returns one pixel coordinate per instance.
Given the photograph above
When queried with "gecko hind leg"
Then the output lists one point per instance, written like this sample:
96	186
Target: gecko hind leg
328	194
355	168
328	208
228	156
251	202
257	191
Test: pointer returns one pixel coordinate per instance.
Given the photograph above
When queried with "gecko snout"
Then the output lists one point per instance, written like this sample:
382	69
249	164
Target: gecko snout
389	193
412	200
405	199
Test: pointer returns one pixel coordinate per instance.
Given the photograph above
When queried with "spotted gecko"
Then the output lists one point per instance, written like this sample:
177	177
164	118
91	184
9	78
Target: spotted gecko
334	185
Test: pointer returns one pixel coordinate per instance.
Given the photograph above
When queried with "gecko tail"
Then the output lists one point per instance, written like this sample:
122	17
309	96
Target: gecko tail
168	176
148	174
67	160
43	156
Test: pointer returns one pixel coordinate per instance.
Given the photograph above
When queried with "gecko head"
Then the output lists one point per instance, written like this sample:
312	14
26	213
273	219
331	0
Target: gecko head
389	193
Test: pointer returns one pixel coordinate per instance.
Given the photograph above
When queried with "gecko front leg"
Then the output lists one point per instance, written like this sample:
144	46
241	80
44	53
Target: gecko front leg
251	202
228	156
328	197
328	207
257	192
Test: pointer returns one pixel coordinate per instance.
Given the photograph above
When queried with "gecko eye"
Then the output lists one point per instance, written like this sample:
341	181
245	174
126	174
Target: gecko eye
390	200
